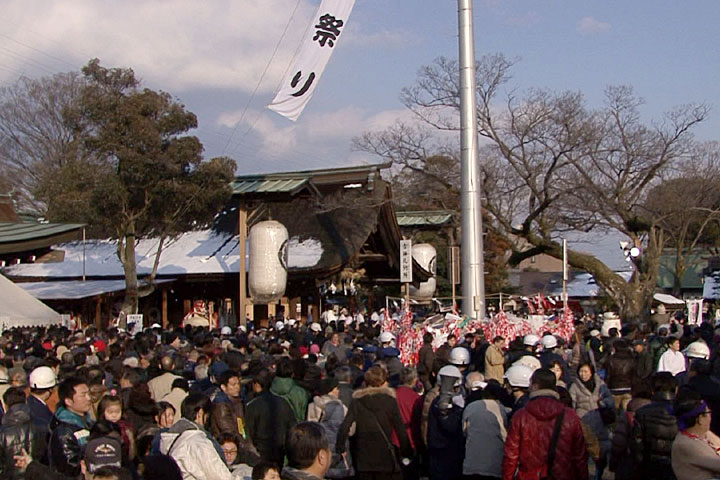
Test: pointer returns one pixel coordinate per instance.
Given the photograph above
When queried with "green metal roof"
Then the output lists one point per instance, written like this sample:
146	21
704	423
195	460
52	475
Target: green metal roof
18	232
243	185
292	182
24	237
424	218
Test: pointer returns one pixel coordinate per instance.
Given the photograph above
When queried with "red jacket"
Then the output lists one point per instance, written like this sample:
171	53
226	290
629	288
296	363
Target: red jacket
410	404
528	442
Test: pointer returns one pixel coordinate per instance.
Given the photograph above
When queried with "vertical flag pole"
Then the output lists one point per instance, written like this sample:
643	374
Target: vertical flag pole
473	281
565	276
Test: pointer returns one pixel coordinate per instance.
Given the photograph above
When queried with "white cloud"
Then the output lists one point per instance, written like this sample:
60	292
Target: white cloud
592	26
178	45
319	140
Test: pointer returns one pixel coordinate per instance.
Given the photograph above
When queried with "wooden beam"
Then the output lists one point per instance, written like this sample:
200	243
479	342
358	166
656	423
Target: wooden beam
164	308
242	238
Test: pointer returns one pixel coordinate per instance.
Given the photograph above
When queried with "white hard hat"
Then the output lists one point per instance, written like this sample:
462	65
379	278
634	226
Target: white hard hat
529	361
451	371
155	325
549	341
315	327
460	356
519	375
698	349
291	322
531	340
386	337
279	325
43	377
226	330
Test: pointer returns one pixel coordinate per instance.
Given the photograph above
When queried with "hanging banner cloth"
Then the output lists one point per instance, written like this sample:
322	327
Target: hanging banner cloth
308	65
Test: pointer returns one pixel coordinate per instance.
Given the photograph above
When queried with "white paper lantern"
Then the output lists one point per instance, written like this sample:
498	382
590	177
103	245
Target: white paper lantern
267	272
425	255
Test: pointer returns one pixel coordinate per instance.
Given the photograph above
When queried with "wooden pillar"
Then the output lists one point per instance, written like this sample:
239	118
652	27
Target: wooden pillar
98	312
242	238
164	308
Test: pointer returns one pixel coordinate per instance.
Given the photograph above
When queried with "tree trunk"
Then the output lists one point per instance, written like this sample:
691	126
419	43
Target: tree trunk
126	252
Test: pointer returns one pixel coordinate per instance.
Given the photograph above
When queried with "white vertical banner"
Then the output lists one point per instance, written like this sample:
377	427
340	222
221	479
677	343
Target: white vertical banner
308	65
406	261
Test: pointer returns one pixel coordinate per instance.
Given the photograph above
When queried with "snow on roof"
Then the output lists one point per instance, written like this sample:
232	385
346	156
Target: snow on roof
199	252
711	286
74	289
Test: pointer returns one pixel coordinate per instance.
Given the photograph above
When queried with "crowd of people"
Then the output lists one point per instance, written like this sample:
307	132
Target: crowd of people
331	399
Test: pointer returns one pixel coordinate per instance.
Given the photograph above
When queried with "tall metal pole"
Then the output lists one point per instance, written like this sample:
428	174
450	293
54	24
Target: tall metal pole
473	281
565	275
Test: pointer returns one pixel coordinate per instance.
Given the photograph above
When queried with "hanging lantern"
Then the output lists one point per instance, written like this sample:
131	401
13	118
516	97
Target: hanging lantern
267	273
425	255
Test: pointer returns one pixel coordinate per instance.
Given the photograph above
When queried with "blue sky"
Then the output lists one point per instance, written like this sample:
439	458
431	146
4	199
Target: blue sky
224	60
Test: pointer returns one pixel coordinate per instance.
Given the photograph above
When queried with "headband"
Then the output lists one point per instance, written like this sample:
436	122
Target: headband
682	419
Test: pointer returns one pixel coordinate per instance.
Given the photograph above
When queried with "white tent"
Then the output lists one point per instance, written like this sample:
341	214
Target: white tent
19	309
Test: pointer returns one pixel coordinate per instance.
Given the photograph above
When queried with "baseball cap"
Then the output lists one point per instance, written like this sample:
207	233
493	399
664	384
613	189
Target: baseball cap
102	452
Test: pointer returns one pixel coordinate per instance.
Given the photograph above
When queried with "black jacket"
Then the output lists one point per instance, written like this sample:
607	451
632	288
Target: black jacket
620	368
68	435
446	442
654	430
372	409
267	420
40	413
18	433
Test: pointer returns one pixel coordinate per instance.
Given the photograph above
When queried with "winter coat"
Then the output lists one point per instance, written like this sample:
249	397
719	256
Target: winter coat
620	368
485	433
654	430
446	444
161	385
394	365
69	434
317	407
293	393
427	401
587	405
40	414
331	419
346	392
267	420
694	459
18	432
175	398
226	415
289	473
372	409
425	361
494	364
194	452
644	368
410	405
529	437
621	457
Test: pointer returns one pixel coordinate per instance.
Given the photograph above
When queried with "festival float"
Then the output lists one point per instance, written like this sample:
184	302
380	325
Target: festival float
409	334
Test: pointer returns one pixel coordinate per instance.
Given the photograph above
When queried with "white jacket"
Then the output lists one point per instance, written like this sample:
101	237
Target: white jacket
194	453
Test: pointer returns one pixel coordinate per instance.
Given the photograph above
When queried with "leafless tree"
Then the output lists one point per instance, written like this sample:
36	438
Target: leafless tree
551	164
